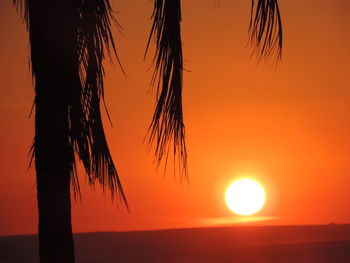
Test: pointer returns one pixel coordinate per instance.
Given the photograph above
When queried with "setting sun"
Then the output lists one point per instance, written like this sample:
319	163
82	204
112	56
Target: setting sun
245	197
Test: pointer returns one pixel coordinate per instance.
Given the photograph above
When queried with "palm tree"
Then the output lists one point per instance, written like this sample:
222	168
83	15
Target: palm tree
68	42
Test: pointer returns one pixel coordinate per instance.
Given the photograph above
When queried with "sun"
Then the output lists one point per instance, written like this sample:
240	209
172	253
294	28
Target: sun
245	197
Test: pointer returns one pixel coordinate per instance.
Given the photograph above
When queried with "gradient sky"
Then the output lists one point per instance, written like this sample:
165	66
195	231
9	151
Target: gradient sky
288	128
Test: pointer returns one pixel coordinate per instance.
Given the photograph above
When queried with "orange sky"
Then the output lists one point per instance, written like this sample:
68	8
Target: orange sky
289	128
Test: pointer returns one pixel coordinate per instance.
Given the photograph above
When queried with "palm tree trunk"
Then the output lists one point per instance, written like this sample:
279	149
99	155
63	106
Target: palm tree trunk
53	184
52	34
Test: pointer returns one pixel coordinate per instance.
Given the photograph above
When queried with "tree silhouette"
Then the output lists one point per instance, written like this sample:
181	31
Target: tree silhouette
68	42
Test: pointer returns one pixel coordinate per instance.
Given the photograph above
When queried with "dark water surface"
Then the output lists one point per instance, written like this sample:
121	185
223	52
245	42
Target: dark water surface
270	244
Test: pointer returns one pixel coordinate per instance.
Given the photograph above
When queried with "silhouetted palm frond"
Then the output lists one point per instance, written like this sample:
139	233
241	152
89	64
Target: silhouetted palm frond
22	8
167	125
94	37
265	29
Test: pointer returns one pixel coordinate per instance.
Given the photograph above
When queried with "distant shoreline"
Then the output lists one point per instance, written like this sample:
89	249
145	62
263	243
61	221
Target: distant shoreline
241	225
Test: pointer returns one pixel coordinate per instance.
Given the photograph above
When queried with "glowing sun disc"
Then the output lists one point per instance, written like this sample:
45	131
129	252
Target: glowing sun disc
245	197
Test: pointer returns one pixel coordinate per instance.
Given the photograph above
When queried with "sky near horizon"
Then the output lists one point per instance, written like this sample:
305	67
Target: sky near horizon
287	127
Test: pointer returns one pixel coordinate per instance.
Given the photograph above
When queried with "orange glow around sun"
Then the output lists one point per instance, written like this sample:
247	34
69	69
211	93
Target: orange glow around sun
245	197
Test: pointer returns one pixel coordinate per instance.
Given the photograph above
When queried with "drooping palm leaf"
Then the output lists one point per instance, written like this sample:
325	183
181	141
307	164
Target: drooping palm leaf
93	20
167	126
22	8
265	29
94	37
